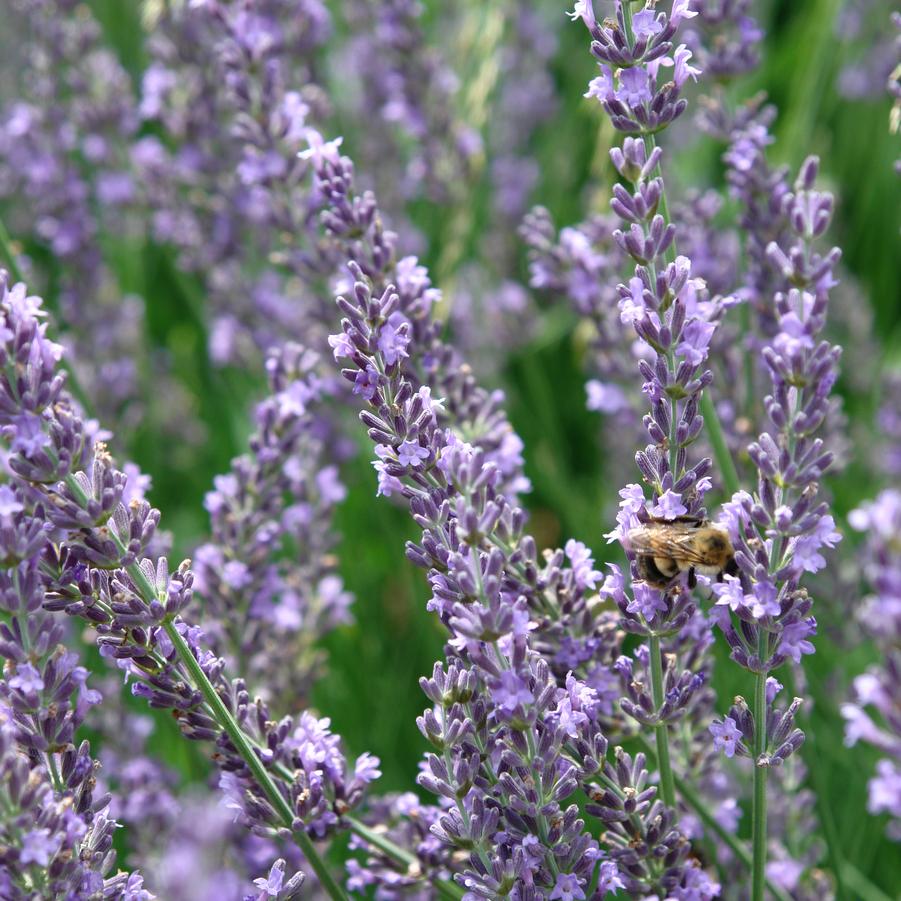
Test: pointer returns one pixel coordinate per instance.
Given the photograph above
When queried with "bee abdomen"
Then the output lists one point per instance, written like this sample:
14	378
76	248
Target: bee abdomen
650	570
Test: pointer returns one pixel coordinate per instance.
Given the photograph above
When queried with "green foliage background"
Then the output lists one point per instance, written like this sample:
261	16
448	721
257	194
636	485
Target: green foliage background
371	689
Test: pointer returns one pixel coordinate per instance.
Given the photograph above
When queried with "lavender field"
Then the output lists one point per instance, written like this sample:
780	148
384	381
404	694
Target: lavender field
450	450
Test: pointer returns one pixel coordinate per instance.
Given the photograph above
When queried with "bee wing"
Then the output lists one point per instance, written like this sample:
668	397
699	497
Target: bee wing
671	540
686	550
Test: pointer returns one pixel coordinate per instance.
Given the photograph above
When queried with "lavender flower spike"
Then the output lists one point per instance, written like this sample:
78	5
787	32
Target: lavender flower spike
47	844
260	606
780	532
57	832
513	735
675	320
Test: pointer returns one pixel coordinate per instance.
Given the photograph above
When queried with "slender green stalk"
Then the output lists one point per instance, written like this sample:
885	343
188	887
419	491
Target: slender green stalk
236	735
735	844
718	445
449	890
243	746
861	886
380	841
6	245
758	811
667	785
693	800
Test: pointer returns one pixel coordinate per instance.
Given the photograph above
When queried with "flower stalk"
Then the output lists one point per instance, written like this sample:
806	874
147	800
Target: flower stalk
761	767
693	801
667	783
236	735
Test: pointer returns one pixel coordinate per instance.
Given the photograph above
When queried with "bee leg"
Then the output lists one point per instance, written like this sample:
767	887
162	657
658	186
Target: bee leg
730	569
692	578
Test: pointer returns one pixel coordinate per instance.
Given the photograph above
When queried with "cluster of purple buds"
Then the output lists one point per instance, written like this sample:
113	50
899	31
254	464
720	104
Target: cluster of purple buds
499	736
734	734
679	687
231	86
48	847
274	887
675	320
724	38
390	324
874	715
780	532
631	51
267	577
646	842
58	833
134	605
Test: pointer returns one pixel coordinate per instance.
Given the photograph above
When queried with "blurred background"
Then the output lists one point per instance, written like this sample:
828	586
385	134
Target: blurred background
514	75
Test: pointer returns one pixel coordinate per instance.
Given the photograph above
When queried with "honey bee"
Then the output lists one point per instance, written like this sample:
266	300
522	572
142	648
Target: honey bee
666	548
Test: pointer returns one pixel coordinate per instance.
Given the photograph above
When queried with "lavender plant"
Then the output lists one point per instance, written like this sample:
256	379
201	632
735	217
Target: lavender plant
57	836
578	741
777	534
513	742
284	777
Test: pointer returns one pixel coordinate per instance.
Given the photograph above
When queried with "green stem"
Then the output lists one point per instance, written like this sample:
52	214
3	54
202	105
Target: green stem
667	786
400	855
718	444
54	772
7	246
242	745
758	812
236	735
735	844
